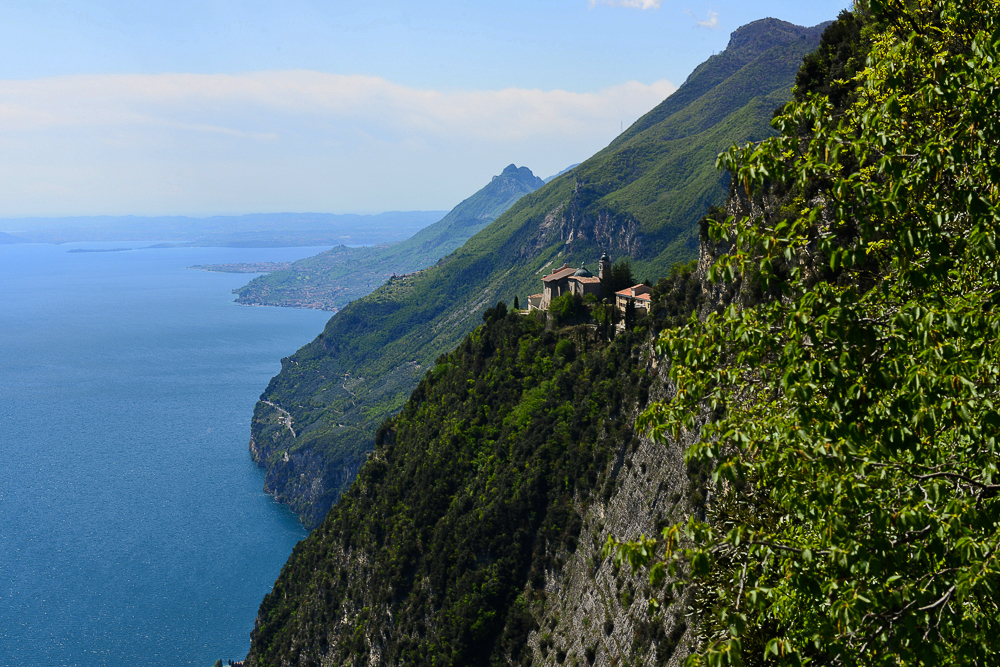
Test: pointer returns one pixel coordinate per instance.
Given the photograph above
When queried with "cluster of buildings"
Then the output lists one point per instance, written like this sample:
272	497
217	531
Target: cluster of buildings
568	280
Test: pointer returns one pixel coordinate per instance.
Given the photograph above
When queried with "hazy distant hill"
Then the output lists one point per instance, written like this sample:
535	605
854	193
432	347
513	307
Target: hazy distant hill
640	197
10	238
332	279
572	166
257	230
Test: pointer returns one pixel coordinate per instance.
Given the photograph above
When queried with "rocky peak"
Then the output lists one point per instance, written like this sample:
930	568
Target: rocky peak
521	175
758	36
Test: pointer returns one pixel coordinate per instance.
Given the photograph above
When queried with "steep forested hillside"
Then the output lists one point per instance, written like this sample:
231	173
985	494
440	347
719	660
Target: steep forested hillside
332	279
488	485
639	198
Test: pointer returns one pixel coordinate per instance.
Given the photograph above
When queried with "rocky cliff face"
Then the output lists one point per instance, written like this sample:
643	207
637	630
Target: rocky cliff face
574	225
300	479
593	613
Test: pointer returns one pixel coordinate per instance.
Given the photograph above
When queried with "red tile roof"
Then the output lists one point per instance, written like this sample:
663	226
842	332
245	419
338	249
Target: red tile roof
627	292
589	280
559	274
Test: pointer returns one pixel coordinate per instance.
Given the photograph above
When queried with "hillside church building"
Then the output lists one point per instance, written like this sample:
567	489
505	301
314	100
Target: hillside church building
567	280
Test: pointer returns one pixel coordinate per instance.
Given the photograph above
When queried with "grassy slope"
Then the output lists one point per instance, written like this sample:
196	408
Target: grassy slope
642	195
342	274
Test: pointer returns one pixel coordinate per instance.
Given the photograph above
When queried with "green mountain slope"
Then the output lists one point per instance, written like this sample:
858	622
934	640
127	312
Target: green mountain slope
332	279
641	197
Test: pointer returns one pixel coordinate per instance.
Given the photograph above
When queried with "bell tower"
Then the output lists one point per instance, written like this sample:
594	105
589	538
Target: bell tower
604	266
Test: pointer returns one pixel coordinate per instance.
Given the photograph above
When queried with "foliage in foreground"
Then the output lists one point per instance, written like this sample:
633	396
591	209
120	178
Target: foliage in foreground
857	518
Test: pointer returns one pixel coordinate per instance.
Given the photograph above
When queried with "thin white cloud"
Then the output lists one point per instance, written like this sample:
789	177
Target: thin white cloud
635	4
288	140
711	20
246	105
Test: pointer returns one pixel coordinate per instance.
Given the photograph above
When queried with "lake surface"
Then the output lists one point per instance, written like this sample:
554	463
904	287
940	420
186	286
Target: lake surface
133	528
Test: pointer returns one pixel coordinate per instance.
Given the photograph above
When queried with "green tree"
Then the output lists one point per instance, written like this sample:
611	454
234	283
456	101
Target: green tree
566	350
606	314
629	315
567	308
854	439
618	277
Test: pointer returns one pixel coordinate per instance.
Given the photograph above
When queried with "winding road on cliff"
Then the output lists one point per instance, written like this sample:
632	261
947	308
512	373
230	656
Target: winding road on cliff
286	417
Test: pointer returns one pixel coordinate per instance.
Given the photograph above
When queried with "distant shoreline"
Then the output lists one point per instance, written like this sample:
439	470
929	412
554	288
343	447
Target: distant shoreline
244	267
98	249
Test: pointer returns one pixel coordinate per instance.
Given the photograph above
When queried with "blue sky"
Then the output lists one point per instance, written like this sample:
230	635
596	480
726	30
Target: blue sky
216	106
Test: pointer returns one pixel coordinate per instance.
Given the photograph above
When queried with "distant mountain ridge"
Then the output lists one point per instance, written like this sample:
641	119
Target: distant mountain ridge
471	215
572	166
332	279
641	198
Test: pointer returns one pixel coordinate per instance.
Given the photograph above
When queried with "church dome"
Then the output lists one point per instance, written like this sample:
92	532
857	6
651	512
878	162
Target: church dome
605	258
582	272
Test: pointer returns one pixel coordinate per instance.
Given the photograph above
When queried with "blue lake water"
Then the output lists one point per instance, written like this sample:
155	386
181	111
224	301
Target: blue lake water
133	528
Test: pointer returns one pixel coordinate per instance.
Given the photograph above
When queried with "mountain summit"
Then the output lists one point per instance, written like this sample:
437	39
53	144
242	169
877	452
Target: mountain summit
522	174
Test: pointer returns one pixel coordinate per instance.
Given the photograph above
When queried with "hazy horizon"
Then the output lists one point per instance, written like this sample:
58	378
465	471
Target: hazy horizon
109	108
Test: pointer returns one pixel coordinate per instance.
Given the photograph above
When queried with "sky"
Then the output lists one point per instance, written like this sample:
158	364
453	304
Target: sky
219	107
